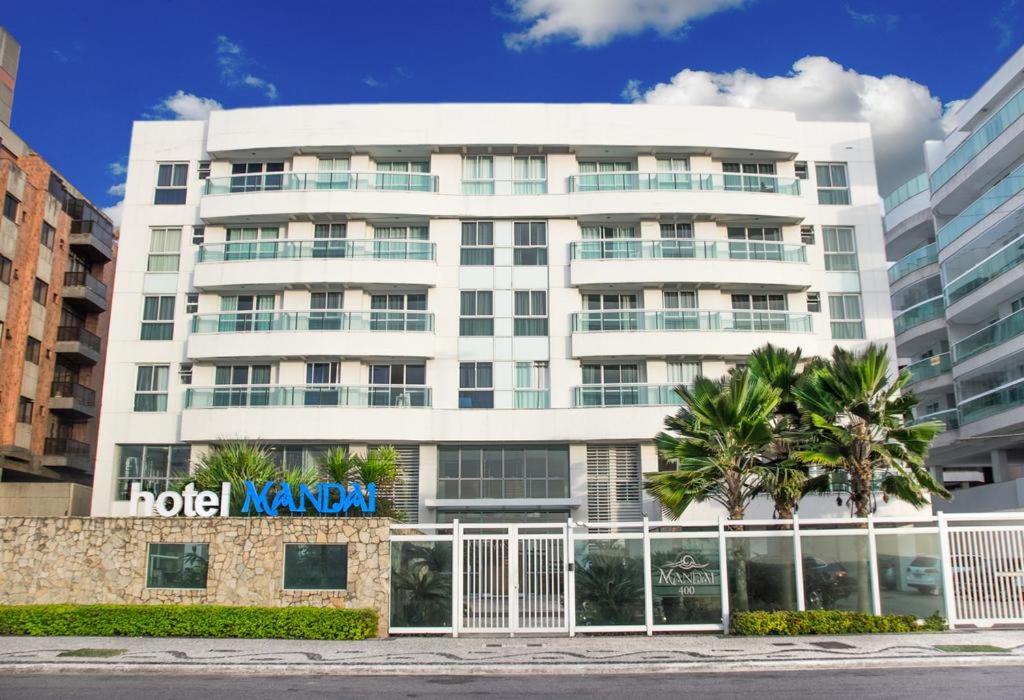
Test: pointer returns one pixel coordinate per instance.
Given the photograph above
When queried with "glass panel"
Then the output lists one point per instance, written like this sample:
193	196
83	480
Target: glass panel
609	582
910	574
770	578
421	584
316	566
836	573
686	581
177	565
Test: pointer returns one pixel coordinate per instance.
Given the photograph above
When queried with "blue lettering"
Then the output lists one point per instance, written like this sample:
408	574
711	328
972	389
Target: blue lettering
316	498
257	499
283	498
321	497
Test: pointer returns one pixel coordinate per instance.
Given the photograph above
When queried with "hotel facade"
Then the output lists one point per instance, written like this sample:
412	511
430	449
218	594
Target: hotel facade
956	236
507	293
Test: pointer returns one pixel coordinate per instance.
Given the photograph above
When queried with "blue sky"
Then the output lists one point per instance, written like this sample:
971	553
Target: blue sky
89	69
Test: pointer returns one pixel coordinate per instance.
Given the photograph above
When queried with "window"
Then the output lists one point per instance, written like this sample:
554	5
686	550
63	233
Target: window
761	302
25	406
158	467
164	250
242	385
754	243
682	372
404	175
679	299
533	380
32	347
846	316
39	291
6	266
503	471
198	235
47	234
807	235
305	455
191	303
177	565
171	183
329	240
673	165
531	313
800	169
683	229
599	175
530	239
614	483
326	300
476	313
203	171
389	385
477	243
185	373
833	185
477	175
476	385
399	312
11	207
753	312
840	248
309	567
680	313
529	175
814	302
744	176
616	314
151	388
253	177
157	318
340	164
611	385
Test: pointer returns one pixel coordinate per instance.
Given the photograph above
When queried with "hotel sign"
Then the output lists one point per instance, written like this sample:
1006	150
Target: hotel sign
270	499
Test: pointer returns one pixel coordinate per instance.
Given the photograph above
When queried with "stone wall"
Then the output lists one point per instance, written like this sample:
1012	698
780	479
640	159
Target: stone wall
103	560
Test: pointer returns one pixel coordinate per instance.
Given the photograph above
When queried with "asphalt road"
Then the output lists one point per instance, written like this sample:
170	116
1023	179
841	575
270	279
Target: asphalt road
991	683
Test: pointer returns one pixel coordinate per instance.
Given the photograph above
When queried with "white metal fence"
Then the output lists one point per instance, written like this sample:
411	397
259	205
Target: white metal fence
688	576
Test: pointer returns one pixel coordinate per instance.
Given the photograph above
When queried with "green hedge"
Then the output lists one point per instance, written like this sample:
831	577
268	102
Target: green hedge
214	621
788	622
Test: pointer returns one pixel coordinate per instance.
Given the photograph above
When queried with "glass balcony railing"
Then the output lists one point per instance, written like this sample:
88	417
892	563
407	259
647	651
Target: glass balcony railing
1003	260
683	181
929	368
911	188
81	278
73	390
270	321
532	398
950	418
990	336
915	260
325	180
77	334
65	447
368	249
977	141
625	395
687	248
690	320
919	313
384	395
992	402
995	197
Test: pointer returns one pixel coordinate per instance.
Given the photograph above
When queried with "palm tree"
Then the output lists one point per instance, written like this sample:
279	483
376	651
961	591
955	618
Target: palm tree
721	433
379	467
856	425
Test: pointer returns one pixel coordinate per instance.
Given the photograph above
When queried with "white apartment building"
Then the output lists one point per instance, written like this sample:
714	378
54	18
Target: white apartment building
956	234
507	293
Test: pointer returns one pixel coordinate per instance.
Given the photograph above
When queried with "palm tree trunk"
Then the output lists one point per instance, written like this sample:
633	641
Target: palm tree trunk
860	482
740	557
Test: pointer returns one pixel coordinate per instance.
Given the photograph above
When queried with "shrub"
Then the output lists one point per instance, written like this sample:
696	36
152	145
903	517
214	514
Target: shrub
789	622
211	621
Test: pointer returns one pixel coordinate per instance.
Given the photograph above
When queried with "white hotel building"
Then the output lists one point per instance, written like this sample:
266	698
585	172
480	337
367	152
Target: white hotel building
505	292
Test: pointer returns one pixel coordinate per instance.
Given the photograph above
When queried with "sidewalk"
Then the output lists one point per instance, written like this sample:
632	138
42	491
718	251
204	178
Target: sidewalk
501	655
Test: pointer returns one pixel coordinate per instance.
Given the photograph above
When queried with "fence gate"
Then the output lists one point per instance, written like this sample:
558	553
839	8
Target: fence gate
987	572
513	578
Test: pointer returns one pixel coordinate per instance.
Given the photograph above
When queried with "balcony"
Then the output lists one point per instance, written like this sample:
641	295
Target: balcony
290	263
949	418
724	333
601	395
989	337
989	202
318	181
992	402
683	182
312	333
922	257
929	368
66	453
1007	258
317	395
917	314
912	187
92	240
81	346
72	399
85	291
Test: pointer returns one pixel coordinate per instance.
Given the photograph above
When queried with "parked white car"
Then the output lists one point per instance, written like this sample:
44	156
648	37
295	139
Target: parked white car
925	575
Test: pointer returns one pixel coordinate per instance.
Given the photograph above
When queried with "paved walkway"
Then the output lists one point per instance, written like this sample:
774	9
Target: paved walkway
501	655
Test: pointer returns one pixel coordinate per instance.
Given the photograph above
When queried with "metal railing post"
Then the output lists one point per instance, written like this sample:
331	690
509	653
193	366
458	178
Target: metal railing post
945	554
456	577
724	575
798	564
570	577
648	591
876	599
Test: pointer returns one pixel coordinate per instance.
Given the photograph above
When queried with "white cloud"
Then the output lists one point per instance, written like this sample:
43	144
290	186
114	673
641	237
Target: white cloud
116	190
234	64
596	22
902	113
371	81
115	212
118	167
888	21
185	105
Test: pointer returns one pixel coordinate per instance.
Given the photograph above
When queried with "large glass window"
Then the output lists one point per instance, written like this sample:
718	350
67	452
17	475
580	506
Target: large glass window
253	177
529	175
171	183
531	313
754	243
744	176
11	207
530	239
164	250
315	566
833	185
391	312
305	455
476	385
151	388
389	384
177	565
6	267
242	385
846	316
503	471
750	312
157	467
476	313
477	243
840	248
478	175
157	318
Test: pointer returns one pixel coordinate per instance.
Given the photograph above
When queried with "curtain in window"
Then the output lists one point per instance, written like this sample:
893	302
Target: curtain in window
683	372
